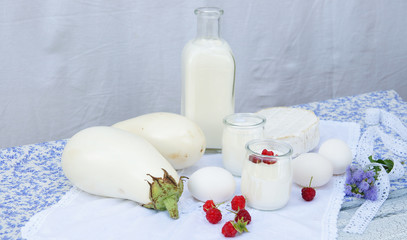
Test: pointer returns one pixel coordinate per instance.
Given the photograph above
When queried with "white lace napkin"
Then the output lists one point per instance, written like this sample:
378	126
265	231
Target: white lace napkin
83	216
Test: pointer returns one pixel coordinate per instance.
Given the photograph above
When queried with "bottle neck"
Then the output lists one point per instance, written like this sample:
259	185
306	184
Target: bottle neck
208	22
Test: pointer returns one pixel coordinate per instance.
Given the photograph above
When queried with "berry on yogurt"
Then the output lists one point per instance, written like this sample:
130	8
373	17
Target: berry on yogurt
266	160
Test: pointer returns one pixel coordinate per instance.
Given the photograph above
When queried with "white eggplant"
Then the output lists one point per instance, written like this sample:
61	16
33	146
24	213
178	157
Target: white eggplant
180	140
110	162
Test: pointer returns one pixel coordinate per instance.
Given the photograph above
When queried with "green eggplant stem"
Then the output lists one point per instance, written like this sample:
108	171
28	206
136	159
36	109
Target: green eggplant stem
171	203
165	193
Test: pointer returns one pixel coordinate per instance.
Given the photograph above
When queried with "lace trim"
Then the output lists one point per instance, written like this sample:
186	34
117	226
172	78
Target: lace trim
333	209
366	212
373	119
32	226
339	194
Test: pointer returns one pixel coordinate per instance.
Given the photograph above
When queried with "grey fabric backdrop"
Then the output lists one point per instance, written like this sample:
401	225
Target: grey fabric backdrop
67	65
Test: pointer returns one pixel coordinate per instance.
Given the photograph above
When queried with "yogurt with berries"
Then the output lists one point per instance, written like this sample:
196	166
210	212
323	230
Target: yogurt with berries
267	174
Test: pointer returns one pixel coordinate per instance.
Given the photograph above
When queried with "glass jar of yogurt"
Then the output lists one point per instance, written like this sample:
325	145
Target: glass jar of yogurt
239	128
267	174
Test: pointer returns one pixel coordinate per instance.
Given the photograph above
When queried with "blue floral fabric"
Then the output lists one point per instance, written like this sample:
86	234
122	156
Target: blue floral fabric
351	109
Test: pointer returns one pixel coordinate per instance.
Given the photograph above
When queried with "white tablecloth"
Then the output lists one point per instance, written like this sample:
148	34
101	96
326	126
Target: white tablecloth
80	215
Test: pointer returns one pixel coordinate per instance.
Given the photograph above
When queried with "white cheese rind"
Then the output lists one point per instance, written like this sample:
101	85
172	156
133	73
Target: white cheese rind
298	127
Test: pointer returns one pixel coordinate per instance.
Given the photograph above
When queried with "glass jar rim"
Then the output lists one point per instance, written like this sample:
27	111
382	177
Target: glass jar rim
209	11
285	154
260	120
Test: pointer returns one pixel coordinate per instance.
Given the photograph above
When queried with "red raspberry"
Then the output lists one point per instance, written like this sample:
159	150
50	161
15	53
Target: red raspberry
268	160
229	230
268	153
308	193
238	202
213	215
244	216
208	205
255	159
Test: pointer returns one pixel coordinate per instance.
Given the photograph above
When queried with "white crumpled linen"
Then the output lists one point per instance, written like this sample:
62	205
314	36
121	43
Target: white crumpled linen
80	215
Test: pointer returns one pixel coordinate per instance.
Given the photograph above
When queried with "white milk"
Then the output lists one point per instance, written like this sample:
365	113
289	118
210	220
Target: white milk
267	187
208	72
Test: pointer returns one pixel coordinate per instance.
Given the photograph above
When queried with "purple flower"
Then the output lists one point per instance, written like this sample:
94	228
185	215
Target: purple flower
363	186
348	174
349	179
360	183
348	190
369	174
371	193
358	175
353	168
349	171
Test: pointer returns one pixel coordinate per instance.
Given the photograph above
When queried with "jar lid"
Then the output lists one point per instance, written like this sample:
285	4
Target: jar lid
244	120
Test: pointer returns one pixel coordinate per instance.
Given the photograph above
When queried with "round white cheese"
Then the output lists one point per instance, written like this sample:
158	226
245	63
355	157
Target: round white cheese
296	126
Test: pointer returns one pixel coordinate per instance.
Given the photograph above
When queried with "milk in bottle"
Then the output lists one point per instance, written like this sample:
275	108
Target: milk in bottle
208	73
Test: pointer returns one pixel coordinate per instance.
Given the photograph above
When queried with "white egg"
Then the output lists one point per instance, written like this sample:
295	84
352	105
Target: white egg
212	183
313	165
338	152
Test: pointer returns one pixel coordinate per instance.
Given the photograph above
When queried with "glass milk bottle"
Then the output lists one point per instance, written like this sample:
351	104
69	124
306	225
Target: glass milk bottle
208	77
267	174
239	128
